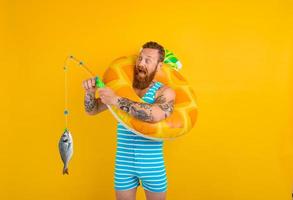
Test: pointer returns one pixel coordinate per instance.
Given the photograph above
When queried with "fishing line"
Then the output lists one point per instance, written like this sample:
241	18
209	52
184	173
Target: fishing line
99	83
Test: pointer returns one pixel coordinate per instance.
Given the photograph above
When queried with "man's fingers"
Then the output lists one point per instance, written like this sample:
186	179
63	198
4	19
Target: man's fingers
93	82
103	89
100	89
89	83
85	85
103	101
101	93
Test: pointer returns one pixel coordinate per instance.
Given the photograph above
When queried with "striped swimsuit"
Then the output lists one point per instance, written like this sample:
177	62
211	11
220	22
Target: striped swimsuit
138	158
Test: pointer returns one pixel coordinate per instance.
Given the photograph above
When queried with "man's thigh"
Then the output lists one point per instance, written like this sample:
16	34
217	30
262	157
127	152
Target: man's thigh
126	194
155	195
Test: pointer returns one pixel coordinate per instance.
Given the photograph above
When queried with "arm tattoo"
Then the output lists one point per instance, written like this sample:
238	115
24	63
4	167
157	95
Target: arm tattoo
90	102
141	114
160	99
142	111
167	107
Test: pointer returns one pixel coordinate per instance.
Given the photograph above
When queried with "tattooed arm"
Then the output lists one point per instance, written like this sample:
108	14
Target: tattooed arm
92	105
152	113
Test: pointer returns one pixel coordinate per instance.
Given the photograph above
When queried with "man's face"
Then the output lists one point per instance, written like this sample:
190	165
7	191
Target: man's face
145	68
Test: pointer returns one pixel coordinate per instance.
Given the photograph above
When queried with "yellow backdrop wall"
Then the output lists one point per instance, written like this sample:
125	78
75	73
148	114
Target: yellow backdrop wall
237	55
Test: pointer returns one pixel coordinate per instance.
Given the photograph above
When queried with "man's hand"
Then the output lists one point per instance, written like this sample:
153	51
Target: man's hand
90	85
108	96
92	105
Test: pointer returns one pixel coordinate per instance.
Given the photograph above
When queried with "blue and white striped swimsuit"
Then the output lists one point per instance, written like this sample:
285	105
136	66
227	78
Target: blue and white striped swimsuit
138	158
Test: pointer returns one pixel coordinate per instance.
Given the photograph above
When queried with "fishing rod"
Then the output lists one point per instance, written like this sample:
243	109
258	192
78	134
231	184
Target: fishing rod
99	82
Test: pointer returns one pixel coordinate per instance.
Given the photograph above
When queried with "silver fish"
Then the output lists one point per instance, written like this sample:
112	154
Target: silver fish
66	149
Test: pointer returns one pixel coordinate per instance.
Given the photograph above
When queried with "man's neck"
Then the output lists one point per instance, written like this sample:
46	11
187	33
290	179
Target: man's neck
141	92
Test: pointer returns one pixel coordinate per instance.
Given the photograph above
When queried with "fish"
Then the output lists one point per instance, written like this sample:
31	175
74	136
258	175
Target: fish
66	149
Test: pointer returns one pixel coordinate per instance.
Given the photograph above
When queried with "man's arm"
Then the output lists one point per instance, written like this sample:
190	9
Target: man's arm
92	105
161	109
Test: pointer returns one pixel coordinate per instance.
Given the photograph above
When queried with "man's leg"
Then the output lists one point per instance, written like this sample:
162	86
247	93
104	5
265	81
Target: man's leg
126	194
155	195
155	186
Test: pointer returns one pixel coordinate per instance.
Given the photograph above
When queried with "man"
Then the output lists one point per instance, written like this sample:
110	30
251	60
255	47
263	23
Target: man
137	158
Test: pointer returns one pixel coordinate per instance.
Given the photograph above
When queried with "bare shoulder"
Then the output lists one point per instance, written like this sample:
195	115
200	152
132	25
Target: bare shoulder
165	93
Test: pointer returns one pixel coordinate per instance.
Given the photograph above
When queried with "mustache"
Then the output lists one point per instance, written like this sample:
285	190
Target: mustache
145	82
141	69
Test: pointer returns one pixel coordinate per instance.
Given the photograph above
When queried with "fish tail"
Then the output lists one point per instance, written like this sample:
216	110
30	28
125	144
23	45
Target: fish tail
65	170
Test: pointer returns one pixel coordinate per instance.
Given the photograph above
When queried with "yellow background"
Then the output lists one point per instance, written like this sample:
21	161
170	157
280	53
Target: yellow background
237	55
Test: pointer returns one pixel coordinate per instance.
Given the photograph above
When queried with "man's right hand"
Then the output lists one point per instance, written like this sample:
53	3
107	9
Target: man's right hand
90	85
92	105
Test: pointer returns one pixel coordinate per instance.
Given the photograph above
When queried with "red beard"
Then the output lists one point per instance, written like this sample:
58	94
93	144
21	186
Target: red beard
141	78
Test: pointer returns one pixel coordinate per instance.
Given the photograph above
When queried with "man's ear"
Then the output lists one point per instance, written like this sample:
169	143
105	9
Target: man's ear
160	64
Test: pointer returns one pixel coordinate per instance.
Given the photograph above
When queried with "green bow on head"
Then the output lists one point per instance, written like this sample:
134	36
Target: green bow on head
172	60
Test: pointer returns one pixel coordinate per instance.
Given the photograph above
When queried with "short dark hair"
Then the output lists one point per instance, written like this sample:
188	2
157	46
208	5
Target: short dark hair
155	45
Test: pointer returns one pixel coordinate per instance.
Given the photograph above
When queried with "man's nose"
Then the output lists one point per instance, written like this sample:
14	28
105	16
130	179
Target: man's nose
141	63
141	66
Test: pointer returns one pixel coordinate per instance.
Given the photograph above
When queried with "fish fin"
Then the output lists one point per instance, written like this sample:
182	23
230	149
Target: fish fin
65	171
69	145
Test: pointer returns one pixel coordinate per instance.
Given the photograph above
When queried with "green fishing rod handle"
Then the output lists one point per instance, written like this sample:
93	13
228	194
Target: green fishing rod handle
99	83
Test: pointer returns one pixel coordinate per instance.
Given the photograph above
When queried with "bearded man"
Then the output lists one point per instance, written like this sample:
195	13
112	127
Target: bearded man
138	160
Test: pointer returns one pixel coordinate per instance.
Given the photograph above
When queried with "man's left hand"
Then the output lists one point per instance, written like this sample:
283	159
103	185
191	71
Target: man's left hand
108	96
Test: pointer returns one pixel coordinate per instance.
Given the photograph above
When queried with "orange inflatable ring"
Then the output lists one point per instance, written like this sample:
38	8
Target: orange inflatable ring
119	75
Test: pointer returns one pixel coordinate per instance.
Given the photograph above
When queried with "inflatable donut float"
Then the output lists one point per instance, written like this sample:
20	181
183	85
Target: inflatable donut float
119	75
